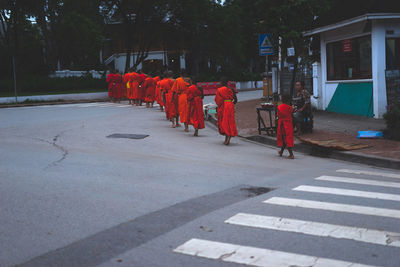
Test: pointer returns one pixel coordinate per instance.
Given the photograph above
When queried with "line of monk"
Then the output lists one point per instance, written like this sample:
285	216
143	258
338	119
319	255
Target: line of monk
180	99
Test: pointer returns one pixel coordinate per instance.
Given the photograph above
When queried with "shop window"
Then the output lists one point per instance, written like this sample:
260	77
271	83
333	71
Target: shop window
393	54
349	59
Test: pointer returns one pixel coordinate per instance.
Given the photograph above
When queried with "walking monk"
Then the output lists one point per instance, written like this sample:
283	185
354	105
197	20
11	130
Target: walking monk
119	88
179	90
134	78
284	136
159	96
111	85
127	82
150	89
170	110
141	92
196	114
226	99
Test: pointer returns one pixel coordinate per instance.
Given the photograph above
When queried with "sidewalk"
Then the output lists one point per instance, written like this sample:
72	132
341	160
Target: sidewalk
336	135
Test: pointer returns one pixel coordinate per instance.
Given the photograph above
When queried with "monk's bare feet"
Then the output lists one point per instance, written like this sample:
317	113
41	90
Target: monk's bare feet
280	153
196	132
227	141
178	125
290	157
173	126
186	130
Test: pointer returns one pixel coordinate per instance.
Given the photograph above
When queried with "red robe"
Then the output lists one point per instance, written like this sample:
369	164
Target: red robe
119	87
126	83
111	84
134	78
284	136
166	85
150	87
142	89
158	94
196	114
226	112
180	88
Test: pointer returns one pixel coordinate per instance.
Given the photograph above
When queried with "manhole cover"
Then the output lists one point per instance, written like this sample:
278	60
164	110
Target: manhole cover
256	191
129	136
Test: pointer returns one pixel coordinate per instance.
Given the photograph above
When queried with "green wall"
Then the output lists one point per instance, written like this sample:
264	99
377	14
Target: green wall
353	98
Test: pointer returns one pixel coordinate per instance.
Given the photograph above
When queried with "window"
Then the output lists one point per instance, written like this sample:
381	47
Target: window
349	59
393	54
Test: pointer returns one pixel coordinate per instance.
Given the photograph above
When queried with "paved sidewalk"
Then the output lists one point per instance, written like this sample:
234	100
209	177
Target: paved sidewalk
328	126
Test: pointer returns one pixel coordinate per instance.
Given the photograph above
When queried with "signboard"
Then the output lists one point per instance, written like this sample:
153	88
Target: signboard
347	46
265	44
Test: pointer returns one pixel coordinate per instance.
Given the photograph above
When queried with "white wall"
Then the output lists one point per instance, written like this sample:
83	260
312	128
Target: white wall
378	68
68	73
120	59
249	85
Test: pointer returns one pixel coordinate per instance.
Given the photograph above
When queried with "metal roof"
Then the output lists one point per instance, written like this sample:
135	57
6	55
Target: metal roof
371	16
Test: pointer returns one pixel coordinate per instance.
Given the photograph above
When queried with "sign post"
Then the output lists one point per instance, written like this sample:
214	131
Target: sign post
266	48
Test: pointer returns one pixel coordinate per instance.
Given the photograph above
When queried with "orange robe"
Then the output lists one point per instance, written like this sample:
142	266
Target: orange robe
111	84
142	89
165	86
127	80
119	86
226	112
196	114
180	88
150	88
284	135
134	78
158	95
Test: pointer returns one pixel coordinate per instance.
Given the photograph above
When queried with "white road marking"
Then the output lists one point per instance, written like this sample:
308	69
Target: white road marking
357	181
254	256
347	192
317	229
383	174
356	209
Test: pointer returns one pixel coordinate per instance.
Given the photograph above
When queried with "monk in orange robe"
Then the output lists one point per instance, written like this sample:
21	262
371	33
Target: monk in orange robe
111	85
134	84
284	135
127	82
159	97
196	114
226	99
142	91
179	96
150	88
119	87
170	111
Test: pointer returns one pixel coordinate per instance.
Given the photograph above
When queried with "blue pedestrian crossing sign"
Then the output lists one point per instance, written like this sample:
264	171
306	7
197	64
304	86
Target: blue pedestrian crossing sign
265	44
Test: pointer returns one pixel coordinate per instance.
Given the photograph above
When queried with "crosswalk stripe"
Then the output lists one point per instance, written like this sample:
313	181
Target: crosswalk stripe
254	256
357	181
383	174
356	209
316	229
347	192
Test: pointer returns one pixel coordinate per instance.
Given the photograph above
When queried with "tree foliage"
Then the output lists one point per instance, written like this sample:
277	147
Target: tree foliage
217	38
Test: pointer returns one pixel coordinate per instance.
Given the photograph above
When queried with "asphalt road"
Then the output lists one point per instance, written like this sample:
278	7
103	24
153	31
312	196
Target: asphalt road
70	196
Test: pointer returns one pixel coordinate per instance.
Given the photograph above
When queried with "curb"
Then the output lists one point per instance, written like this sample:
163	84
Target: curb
322	152
51	103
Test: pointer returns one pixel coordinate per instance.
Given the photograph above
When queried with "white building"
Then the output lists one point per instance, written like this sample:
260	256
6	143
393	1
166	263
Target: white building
358	55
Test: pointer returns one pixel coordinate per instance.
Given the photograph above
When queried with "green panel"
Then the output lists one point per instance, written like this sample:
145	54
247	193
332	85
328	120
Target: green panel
353	98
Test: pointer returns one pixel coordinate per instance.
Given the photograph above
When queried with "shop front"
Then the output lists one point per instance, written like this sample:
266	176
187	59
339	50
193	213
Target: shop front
357	57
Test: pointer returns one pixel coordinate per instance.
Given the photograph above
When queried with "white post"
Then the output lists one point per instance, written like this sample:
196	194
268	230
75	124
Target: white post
378	68
182	61
274	80
324	101
316	85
